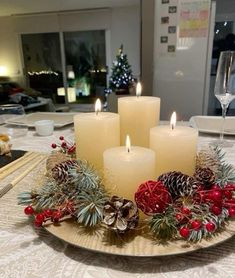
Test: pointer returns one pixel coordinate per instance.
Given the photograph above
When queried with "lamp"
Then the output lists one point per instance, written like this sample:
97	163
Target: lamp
71	74
70	91
3	71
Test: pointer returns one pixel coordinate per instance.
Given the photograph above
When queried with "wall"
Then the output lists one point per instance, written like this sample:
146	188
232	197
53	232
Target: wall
147	46
123	23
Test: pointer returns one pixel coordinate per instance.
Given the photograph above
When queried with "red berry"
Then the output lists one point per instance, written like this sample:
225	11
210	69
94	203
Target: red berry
231	211
228	194
72	149
216	209
179	217
184	232
37	223
61	138
210	227
196	224
48	212
29	210
56	216
216	196
63	145
53	145
39	217
186	211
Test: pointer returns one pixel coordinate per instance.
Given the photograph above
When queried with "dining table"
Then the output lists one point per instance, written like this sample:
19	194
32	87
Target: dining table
27	251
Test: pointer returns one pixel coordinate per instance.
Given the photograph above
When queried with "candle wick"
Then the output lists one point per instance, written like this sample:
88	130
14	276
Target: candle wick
97	112
172	127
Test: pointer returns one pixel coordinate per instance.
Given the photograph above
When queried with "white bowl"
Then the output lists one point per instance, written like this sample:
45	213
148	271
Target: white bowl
44	127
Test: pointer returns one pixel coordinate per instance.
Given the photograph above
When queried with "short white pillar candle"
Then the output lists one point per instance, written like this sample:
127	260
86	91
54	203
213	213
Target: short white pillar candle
175	148
125	168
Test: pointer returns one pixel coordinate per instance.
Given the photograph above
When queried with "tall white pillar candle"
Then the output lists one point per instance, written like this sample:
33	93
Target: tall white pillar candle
126	168
94	133
137	115
175	148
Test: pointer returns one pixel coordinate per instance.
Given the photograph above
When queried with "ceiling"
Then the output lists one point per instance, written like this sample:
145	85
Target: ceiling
15	7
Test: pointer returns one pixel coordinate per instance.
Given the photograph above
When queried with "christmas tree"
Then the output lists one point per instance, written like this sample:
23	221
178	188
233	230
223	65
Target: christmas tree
121	77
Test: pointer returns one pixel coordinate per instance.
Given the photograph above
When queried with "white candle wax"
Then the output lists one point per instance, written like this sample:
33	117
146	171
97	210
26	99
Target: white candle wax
94	133
124	171
137	116
175	148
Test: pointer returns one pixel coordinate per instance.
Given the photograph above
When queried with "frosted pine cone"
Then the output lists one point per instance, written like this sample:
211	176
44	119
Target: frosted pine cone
179	184
205	176
208	158
60	172
120	214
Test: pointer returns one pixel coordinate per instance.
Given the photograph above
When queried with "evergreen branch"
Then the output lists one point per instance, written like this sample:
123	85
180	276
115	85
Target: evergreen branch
90	205
226	174
163	225
85	176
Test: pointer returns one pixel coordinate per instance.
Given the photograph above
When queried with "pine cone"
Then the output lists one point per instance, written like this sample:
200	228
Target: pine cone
60	172
208	158
205	176
120	214
179	184
54	159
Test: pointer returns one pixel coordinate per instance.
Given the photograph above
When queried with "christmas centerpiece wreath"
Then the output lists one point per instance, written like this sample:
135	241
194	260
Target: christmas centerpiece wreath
177	206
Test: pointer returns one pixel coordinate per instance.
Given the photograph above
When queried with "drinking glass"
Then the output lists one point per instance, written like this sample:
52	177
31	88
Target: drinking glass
225	85
11	116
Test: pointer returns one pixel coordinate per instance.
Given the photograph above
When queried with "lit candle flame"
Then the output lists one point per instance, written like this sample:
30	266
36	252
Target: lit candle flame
128	143
97	106
138	89
173	120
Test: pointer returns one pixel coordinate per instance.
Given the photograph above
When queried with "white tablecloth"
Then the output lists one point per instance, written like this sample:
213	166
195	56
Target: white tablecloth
25	252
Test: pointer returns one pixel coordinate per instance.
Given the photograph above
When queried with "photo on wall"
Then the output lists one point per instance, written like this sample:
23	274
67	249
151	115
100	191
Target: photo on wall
172	29
172	9
164	39
171	48
165	19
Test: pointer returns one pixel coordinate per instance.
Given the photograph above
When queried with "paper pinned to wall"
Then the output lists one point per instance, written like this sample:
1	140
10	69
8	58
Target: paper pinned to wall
194	18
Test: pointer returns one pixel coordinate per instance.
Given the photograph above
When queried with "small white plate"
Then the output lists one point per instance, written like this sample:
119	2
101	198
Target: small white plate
60	119
212	124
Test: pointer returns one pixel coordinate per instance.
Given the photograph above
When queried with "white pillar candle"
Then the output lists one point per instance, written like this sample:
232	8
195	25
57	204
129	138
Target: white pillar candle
175	148
126	168
137	115
94	133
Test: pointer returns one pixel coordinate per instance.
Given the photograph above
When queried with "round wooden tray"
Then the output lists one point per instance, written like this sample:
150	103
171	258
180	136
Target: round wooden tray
136	243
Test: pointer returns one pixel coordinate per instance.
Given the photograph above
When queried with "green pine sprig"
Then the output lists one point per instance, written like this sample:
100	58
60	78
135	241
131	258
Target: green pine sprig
163	225
85	176
90	204
226	174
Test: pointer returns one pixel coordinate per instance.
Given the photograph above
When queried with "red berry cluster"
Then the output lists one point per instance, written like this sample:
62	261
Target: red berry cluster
54	215
217	198
43	216
65	146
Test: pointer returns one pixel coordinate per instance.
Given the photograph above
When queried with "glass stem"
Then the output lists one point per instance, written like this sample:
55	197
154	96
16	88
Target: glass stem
224	111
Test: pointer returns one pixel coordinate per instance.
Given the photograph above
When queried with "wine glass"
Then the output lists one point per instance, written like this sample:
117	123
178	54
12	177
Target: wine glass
11	116
225	86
